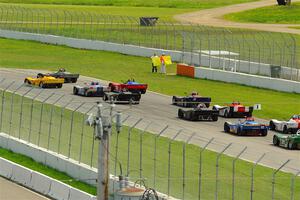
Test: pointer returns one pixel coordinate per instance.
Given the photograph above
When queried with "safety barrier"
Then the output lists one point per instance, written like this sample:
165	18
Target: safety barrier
241	78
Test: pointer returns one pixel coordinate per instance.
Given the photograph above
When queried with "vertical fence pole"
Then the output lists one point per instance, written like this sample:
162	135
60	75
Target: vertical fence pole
169	160
2	102
217	169
184	164
41	118
141	149
200	167
233	171
274	176
252	175
82	131
128	147
154	159
31	113
51	119
11	108
21	111
60	123
293	185
71	128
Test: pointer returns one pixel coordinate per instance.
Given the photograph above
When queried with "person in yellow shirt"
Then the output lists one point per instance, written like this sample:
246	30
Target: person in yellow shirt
155	62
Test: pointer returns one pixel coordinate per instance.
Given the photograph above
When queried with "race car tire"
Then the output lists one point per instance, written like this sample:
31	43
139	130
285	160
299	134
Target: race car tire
291	145
226	128
272	126
42	85
275	140
264	133
105	98
285	130
239	131
174	100
180	114
73	80
59	85
215	118
26	81
75	91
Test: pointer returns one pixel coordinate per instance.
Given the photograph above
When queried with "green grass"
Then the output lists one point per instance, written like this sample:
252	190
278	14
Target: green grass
199	4
296	27
262	176
48	171
117	67
270	14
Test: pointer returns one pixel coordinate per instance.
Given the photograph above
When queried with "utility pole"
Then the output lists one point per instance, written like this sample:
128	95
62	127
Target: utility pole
103	125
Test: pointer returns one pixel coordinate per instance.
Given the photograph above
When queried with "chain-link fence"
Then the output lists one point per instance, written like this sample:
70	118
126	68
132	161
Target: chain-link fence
249	51
172	160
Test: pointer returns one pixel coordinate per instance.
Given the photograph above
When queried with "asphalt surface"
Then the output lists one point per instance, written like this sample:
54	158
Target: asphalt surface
12	191
156	110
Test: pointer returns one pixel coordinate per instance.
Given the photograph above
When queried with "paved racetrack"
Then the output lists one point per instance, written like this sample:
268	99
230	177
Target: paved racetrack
12	191
157	108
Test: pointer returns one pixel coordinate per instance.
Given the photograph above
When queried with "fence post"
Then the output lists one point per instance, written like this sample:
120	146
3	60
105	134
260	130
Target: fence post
274	176
233	170
293	185
41	118
31	112
217	169
21	111
82	131
11	108
60	123
51	117
200	166
154	159
128	147
141	149
71	128
2	102
169	160
252	175
184	164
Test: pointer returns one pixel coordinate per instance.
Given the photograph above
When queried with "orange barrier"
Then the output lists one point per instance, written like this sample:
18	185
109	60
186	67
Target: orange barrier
185	70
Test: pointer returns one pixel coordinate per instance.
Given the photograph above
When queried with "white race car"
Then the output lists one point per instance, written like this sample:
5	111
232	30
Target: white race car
290	126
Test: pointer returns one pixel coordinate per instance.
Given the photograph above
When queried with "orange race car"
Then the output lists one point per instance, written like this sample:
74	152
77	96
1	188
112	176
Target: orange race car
45	81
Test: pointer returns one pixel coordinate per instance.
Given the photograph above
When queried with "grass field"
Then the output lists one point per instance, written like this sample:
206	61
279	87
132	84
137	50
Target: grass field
39	167
270	14
70	141
199	4
117	67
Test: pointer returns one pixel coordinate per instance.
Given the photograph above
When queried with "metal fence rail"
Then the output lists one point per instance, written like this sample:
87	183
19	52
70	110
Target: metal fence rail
239	45
171	160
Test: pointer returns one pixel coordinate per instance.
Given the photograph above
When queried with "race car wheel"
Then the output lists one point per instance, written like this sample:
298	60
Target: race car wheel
180	113
75	91
291	145
26	81
239	131
74	80
59	85
226	127
42	85
272	126
215	118
275	141
264	133
105	98
174	101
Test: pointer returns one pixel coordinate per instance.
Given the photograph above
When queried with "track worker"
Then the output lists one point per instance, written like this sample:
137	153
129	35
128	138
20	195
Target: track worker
163	64
155	62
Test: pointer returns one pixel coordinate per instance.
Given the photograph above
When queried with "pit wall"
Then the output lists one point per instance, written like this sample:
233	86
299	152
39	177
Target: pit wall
59	162
198	59
240	78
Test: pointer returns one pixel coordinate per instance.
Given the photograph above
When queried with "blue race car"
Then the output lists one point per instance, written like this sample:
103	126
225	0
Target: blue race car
93	89
249	127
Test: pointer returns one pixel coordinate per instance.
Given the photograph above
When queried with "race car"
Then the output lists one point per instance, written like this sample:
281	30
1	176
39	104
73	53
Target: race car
235	109
291	141
130	86
191	101
61	73
44	81
200	113
290	126
93	89
249	127
122	97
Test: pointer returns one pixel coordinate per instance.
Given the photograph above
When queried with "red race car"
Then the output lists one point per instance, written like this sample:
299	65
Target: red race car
130	86
235	109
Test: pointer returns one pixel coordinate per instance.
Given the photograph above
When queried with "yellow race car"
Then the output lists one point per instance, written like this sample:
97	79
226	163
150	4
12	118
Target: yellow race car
45	81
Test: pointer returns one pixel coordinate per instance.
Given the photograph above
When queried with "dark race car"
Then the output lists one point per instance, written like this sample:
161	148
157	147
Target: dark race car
235	109
249	127
61	73
201	113
130	86
191	101
93	89
123	97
